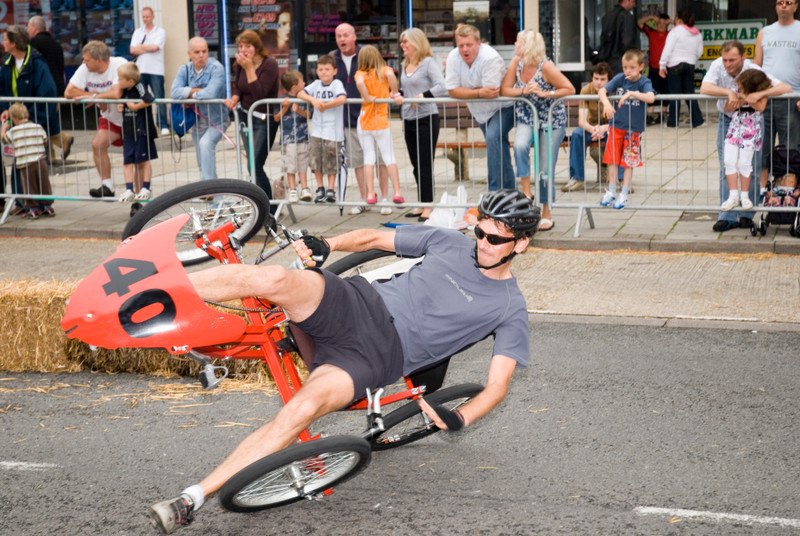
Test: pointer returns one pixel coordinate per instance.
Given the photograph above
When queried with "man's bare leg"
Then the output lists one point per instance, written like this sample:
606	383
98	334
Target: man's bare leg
100	143
327	389
298	292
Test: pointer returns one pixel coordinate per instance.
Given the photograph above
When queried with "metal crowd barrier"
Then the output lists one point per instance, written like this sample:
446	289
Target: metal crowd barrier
459	155
71	178
681	168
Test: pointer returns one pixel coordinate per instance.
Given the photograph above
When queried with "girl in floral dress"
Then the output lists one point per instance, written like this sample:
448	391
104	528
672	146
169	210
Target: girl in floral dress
743	139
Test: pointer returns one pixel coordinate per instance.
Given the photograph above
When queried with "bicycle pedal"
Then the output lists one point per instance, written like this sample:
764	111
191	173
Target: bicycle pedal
208	376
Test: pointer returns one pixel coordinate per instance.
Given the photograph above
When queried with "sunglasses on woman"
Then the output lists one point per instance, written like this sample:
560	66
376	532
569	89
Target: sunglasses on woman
493	239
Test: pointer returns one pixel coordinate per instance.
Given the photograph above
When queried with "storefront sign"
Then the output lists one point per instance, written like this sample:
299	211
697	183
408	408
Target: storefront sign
717	32
206	21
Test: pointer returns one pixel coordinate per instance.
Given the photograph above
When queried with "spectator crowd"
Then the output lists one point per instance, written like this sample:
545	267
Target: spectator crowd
320	130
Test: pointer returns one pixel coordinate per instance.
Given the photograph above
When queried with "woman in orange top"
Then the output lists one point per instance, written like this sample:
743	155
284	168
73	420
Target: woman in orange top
375	80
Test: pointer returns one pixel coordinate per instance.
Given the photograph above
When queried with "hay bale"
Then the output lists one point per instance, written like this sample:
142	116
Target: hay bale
31	340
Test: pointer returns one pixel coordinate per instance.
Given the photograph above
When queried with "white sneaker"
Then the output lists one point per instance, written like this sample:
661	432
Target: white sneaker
355	211
305	195
126	197
385	211
608	198
731	204
622	202
143	195
746	203
293	198
165	131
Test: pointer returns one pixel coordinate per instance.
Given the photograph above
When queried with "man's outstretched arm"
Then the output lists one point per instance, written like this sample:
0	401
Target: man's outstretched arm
354	241
500	372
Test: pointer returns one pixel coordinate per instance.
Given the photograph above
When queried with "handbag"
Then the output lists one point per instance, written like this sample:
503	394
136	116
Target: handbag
182	118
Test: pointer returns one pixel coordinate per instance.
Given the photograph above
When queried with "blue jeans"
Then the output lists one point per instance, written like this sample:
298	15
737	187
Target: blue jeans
724	191
263	136
498	150
206	138
781	120
547	155
156	84
578	141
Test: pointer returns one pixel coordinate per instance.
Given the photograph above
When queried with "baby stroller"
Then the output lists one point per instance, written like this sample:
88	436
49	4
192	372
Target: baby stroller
782	191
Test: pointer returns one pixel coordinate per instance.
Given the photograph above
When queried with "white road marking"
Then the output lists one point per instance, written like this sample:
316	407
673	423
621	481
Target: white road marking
717	516
26	466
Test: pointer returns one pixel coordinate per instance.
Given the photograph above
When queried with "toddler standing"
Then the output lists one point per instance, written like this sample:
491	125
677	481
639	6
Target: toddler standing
294	136
743	138
29	141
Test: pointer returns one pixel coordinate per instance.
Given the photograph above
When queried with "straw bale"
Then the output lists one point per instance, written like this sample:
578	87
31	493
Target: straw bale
31	340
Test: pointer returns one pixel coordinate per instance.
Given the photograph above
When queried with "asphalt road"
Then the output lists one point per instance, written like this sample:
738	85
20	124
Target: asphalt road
608	419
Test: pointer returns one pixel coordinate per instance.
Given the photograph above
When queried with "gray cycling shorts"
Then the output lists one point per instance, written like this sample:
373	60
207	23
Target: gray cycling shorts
353	330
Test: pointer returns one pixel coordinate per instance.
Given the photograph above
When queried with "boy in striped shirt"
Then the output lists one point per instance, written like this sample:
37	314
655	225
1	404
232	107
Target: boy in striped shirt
29	141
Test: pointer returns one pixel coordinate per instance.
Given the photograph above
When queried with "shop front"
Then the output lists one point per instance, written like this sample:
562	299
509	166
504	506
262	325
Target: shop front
572	29
74	22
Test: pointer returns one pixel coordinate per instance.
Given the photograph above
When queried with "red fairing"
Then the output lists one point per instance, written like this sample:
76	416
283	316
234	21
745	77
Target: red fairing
141	297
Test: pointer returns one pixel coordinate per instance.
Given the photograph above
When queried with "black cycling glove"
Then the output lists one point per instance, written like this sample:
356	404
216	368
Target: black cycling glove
452	419
319	248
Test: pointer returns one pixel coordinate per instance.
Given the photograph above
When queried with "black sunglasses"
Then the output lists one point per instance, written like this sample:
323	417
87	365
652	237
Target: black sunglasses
493	239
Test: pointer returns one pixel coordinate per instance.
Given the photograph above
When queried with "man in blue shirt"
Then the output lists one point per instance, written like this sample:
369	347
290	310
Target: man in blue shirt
203	78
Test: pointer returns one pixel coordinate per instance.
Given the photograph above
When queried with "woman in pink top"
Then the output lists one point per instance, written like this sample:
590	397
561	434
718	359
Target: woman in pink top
683	47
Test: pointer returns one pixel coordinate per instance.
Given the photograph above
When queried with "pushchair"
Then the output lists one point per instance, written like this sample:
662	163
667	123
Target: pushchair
782	191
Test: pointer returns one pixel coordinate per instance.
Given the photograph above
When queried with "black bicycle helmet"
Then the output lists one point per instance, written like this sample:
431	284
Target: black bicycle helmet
513	208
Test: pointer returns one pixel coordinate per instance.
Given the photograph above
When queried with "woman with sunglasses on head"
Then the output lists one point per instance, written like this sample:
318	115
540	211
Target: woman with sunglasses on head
420	78
534	77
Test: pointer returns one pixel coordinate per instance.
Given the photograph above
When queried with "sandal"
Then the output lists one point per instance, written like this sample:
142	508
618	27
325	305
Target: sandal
372	200
546	222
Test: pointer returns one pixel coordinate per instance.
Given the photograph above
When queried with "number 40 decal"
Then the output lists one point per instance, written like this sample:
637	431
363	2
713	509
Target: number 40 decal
123	273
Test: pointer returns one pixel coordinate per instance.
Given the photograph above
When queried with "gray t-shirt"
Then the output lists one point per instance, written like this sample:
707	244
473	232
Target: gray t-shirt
781	47
446	304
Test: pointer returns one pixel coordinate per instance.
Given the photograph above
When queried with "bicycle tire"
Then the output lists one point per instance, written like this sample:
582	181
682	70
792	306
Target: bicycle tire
363	261
211	203
269	482
416	424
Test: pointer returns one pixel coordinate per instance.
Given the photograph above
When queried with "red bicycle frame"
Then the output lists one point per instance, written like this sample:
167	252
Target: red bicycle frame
142	297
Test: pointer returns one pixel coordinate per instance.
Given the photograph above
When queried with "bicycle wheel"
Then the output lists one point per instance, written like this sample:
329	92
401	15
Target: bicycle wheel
407	423
294	473
358	263
373	264
210	204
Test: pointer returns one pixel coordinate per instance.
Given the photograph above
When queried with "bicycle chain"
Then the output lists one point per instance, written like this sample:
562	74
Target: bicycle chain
243	309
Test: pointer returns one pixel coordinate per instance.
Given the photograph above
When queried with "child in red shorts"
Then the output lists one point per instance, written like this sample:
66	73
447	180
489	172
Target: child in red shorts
627	122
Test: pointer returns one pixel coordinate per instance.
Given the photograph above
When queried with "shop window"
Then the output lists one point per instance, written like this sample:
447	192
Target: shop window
73	25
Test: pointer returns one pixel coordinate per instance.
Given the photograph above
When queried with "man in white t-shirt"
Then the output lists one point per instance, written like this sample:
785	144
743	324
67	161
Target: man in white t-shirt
96	78
147	44
474	70
720	81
